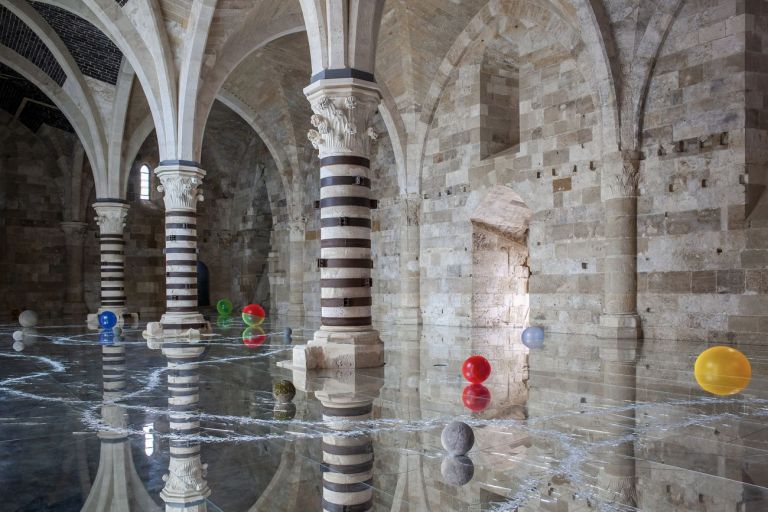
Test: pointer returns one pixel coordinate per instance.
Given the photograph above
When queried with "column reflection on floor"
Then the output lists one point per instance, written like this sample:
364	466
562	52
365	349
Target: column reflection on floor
185	485
347	398
117	486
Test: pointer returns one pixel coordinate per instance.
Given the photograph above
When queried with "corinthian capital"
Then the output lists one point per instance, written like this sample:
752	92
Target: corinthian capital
111	217
343	118
181	186
624	178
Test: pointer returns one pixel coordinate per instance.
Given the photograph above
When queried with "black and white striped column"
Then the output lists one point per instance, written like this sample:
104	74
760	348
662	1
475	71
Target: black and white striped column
110	216
181	183
343	115
345	244
185	485
347	460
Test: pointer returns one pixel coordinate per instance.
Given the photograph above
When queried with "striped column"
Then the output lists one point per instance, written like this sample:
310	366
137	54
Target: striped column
344	110
110	216
180	184
347	460
185	485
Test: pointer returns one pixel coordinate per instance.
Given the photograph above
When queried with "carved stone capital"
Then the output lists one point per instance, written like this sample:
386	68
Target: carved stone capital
111	217
180	186
74	232
412	209
185	480
624	177
343	118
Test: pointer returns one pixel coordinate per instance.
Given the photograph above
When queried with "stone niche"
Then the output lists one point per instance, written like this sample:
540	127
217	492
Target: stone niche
500	260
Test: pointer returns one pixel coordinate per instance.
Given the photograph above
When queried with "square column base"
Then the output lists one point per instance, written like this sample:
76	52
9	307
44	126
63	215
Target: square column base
620	326
197	326
340	349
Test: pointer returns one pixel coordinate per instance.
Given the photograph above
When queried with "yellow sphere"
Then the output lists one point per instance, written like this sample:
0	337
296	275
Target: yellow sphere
722	371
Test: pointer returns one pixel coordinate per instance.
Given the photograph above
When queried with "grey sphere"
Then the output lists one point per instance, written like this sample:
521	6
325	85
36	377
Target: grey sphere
28	318
533	334
18	346
18	335
458	470
457	438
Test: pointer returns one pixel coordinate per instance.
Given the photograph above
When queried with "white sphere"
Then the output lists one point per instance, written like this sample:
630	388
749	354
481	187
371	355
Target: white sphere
28	318
18	346
18	335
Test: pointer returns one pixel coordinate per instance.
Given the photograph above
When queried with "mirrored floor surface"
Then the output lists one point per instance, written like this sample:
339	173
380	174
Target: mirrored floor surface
94	421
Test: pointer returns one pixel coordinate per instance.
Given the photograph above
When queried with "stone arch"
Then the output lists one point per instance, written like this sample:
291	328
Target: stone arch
490	20
500	271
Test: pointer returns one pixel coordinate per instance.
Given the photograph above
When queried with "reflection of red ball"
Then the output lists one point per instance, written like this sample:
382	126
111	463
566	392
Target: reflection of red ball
476	369
476	397
253	337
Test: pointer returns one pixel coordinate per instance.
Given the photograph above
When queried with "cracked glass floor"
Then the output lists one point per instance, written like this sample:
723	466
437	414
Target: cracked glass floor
96	422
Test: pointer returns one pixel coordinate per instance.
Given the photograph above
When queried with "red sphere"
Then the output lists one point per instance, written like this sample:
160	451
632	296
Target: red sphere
255	310
476	397
476	369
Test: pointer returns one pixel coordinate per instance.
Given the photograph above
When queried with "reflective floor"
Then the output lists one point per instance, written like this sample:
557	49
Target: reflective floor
96	422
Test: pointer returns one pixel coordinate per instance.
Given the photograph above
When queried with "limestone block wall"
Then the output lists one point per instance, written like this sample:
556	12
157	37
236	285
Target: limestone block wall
32	266
701	246
555	170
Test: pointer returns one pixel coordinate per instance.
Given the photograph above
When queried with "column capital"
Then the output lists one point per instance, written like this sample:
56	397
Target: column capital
180	184
343	116
74	232
623	174
110	216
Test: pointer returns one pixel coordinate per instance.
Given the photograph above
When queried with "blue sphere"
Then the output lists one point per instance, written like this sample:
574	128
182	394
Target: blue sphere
107	319
533	337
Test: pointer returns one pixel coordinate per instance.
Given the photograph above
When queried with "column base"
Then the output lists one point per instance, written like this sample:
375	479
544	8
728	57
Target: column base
620	326
175	326
340	349
123	318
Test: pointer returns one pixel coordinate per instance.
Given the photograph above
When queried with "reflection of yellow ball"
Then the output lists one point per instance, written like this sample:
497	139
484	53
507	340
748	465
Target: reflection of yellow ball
722	371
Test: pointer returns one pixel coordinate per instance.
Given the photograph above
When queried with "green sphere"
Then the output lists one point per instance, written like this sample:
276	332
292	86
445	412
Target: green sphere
224	307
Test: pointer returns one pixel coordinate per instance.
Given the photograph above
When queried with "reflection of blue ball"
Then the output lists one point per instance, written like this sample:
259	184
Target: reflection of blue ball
107	337
107	319
533	337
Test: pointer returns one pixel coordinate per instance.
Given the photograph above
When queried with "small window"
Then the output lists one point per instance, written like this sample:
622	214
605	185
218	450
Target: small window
149	439
145	176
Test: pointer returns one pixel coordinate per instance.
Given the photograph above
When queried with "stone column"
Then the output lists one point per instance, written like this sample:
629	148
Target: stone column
620	190
110	216
74	238
185	485
296	235
180	185
410	301
344	109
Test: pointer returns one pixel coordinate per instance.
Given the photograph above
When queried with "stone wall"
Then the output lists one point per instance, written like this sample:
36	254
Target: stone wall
555	170
32	260
701	253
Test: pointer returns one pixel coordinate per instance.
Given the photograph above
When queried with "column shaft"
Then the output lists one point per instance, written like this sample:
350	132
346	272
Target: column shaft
345	241
111	216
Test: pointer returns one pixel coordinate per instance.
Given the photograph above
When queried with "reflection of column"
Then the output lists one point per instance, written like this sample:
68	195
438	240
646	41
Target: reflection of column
410	302
617	479
296	267
620	191
117	486
185	486
344	109
74	238
110	216
181	183
347	397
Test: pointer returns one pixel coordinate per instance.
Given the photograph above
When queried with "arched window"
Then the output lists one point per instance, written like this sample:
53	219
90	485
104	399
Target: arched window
145	177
